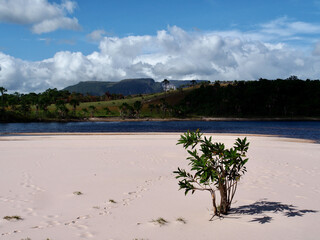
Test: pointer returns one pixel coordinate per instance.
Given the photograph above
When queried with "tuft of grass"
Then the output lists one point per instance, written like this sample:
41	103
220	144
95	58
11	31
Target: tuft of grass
182	220
77	193
112	201
13	218
161	221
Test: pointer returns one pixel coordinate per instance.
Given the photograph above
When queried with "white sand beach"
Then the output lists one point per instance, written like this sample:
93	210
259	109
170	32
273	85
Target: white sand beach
111	186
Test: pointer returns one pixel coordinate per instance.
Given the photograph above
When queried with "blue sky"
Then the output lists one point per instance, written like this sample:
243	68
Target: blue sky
57	43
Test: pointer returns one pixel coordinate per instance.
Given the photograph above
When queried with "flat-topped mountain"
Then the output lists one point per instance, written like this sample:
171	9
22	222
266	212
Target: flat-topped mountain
124	87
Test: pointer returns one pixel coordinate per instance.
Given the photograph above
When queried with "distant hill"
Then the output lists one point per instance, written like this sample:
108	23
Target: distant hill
125	87
94	88
136	86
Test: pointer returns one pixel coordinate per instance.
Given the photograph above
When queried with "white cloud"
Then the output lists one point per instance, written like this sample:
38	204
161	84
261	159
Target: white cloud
96	35
285	29
51	25
172	54
40	14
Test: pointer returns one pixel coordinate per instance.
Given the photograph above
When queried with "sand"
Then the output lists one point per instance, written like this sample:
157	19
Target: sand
111	186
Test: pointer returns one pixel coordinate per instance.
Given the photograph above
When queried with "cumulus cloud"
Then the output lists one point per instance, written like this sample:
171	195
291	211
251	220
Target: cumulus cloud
40	14
172	54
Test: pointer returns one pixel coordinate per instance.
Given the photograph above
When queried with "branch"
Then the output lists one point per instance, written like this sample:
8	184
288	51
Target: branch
192	179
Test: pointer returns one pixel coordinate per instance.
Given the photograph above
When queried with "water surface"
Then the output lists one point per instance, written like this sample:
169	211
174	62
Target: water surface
293	129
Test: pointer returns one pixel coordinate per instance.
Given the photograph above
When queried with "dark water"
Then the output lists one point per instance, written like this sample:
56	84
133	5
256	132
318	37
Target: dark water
294	129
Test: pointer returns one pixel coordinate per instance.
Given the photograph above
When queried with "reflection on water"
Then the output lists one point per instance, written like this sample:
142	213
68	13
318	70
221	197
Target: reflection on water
295	129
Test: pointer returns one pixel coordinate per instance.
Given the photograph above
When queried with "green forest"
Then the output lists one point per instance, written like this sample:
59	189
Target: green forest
263	98
290	99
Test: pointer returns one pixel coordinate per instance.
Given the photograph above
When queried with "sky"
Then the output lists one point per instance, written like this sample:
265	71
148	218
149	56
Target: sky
57	43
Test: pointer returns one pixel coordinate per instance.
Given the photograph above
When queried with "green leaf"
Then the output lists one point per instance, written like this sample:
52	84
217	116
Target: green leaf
211	164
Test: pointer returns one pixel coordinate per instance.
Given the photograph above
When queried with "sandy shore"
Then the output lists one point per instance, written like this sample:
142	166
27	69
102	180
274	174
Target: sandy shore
112	186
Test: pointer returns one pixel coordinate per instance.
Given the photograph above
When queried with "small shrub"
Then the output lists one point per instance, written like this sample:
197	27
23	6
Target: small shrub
216	168
13	218
161	221
182	220
77	193
112	201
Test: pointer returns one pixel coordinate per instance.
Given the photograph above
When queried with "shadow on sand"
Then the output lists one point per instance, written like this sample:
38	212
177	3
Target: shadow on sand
263	207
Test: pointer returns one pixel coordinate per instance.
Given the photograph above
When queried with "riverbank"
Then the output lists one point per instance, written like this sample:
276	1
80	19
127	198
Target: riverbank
118	119
142	119
95	186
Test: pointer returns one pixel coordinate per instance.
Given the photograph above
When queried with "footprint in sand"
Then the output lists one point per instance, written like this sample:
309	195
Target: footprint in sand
297	184
77	220
10	233
51	222
86	235
105	213
84	217
80	227
29	212
51	216
129	197
28	184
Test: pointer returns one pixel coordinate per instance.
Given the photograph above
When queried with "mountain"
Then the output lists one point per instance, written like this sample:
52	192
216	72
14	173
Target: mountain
136	86
124	87
94	88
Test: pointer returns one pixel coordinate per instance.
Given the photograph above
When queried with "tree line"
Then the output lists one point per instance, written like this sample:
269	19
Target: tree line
263	98
36	106
289	98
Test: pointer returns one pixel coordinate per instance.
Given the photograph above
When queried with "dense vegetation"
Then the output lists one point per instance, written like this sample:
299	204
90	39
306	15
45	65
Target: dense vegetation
291	98
263	98
54	105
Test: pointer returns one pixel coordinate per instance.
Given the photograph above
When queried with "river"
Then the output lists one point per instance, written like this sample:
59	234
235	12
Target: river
293	129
